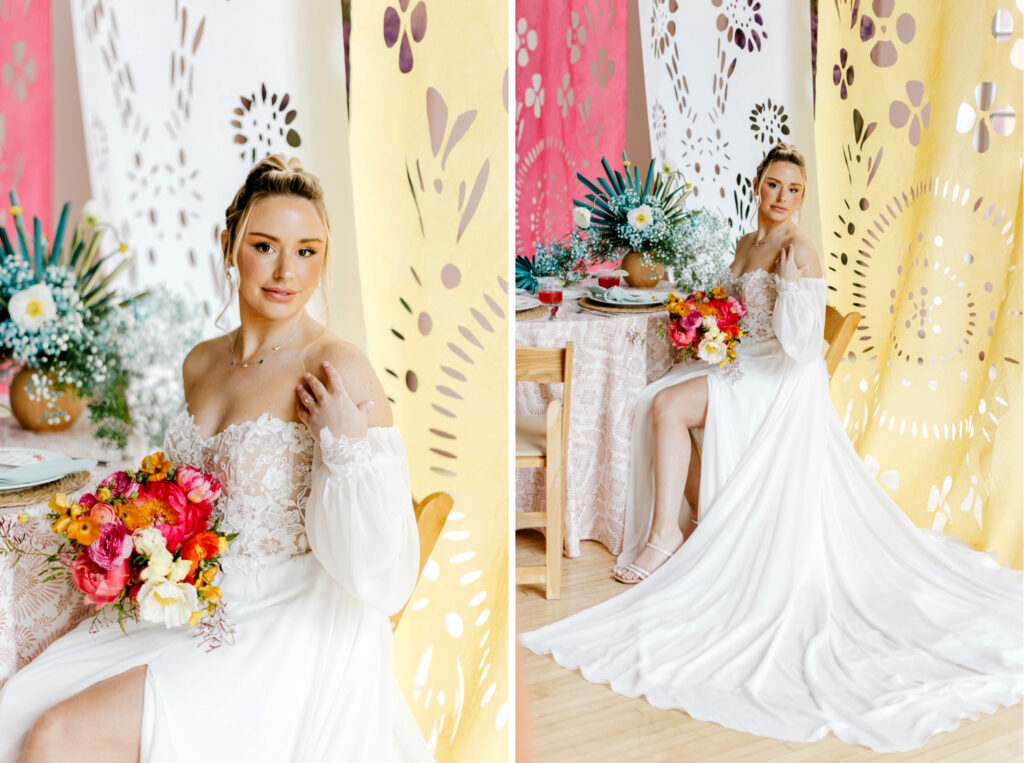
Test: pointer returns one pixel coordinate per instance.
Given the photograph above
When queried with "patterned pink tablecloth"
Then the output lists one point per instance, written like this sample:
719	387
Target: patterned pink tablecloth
615	356
34	613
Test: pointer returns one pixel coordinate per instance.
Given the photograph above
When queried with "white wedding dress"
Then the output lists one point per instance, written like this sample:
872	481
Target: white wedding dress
805	601
327	547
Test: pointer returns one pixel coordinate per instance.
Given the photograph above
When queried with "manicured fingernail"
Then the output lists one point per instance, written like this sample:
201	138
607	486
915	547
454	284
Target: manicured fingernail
369	405
326	364
308	376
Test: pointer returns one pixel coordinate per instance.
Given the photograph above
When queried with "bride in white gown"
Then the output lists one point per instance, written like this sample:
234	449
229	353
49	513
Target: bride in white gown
804	601
317	488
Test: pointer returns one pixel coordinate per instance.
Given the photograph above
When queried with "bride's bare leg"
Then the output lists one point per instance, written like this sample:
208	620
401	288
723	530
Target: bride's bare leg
675	410
692	490
101	723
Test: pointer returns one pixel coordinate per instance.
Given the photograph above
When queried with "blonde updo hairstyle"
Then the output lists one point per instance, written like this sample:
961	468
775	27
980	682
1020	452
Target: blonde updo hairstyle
275	175
781	152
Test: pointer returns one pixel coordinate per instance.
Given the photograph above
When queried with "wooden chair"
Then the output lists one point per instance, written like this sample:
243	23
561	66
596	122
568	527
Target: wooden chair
542	441
431	514
839	330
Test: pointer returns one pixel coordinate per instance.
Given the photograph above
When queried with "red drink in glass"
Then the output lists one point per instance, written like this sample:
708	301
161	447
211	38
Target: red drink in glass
607	282
551	297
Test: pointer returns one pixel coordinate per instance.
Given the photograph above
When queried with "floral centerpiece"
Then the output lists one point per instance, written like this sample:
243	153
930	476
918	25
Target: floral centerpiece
705	325
63	321
141	545
644	220
566	258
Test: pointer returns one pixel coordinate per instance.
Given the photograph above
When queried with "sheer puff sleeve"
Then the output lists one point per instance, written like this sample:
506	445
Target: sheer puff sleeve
798	319
359	516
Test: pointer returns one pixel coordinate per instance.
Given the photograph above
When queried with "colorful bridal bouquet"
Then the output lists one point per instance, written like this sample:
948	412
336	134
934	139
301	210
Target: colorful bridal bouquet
705	325
143	545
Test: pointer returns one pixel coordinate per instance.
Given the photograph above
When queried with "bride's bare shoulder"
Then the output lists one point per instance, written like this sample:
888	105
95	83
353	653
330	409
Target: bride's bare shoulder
356	372
201	357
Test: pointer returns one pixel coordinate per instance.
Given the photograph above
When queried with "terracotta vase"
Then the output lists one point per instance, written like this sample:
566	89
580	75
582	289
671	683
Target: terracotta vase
641	275
39	406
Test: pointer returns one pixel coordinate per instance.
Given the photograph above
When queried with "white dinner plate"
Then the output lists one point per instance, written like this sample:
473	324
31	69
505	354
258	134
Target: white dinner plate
13	457
526	302
655	298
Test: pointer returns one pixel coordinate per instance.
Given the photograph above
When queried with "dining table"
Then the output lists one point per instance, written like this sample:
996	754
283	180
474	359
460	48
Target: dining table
35	608
615	355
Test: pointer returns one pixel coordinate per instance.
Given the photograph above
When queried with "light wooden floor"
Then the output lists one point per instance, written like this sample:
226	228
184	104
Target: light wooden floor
578	721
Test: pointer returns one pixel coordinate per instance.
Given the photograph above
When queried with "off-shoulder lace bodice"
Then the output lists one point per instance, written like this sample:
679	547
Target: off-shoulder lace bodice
264	469
757	290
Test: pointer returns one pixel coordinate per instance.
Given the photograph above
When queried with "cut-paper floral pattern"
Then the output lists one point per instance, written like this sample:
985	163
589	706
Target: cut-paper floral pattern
20	70
842	74
884	29
911	111
534	97
742	22
403	28
986	119
526	41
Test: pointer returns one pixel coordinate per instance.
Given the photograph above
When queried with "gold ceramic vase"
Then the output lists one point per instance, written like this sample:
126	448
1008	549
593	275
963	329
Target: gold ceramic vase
642	275
39	405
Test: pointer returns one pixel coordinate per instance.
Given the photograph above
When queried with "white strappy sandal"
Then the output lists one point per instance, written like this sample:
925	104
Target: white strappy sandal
640	572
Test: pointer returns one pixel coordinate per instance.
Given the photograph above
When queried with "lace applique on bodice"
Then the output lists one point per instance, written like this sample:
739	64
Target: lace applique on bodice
263	466
757	291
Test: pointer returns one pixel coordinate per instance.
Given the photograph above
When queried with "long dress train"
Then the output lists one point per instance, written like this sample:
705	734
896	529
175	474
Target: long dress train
327	547
805	601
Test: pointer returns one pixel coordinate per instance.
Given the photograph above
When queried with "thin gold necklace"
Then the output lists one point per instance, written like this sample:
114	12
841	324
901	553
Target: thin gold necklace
275	348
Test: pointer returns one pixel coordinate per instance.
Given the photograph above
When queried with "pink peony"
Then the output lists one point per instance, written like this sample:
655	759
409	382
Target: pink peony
113	547
88	500
119	484
103	512
199	487
679	337
163	505
101	587
692	320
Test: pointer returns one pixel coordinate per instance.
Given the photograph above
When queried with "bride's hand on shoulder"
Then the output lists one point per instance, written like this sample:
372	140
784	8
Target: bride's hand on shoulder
344	396
798	260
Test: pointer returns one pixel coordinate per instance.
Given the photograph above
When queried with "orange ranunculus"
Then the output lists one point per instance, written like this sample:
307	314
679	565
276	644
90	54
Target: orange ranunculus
197	548
718	293
85	530
156	466
705	308
731	330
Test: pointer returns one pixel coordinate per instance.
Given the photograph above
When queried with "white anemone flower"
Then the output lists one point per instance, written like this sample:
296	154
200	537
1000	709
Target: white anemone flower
32	307
93	212
640	217
712	351
161	601
581	217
